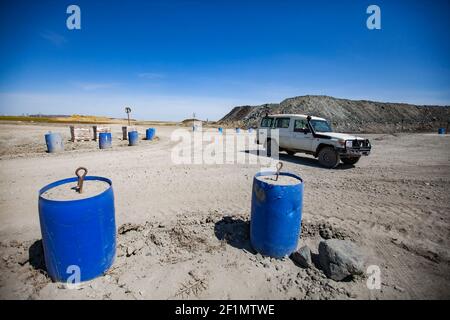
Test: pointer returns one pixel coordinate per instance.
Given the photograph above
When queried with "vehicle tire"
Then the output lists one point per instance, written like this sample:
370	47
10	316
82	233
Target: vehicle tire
352	160
269	145
328	157
291	153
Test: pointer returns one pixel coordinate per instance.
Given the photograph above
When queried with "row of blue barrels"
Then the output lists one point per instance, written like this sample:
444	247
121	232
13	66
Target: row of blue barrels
55	142
133	136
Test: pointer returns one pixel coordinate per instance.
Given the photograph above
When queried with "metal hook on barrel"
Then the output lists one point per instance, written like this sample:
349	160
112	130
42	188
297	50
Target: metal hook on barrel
80	178
279	166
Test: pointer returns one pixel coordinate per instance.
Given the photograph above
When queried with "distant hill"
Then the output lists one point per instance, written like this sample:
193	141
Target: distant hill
348	115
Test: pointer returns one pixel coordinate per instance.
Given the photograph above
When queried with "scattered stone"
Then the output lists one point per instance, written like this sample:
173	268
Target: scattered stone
130	251
326	233
126	227
302	257
15	244
23	258
399	289
340	259
135	247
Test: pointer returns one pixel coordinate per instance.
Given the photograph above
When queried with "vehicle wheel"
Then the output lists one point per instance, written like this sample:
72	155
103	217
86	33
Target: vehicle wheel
269	145
328	157
291	153
352	160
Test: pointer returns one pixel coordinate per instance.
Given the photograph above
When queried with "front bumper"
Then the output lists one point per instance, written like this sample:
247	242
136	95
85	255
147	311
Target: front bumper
358	148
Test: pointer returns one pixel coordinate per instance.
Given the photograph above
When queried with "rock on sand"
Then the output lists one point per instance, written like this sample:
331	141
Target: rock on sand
340	259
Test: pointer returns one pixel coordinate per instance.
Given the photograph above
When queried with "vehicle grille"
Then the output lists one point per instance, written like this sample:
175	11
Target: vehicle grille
357	144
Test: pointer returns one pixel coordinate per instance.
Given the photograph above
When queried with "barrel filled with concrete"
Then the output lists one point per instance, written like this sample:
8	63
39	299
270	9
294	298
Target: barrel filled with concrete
150	133
441	130
54	142
133	138
276	213
104	140
78	229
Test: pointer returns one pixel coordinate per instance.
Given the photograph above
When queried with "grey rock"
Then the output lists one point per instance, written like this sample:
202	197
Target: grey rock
302	257
340	259
326	233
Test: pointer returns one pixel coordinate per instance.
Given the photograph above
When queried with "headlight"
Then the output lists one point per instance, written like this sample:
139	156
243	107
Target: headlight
348	143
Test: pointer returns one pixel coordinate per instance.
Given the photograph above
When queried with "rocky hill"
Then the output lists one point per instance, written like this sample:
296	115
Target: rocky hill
348	115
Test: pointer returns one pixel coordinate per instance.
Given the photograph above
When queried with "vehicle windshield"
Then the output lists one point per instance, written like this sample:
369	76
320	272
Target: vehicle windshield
321	126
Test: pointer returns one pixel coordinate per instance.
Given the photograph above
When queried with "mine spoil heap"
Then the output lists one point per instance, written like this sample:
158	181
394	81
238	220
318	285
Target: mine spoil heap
348	115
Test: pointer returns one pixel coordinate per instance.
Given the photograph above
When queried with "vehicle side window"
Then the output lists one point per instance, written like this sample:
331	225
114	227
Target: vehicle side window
266	122
301	126
282	123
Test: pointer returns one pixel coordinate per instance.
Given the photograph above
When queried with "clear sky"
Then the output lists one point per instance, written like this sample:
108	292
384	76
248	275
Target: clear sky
167	59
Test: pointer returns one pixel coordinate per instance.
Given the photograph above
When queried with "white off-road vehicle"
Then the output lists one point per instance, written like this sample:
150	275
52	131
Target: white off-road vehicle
310	135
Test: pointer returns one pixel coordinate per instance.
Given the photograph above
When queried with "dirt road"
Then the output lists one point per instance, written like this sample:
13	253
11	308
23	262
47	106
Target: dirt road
187	225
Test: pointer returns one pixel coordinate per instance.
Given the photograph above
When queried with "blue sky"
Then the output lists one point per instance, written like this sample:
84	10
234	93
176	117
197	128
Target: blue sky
167	59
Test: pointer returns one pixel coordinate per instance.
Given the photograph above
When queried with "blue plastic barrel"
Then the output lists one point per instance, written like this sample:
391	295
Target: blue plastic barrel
276	216
220	130
238	130
79	233
54	142
441	130
150	133
133	138
250	130
104	140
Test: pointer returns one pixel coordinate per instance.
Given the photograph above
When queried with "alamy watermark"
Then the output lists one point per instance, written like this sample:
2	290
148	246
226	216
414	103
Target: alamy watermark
73	281
73	21
374	20
373	273
228	146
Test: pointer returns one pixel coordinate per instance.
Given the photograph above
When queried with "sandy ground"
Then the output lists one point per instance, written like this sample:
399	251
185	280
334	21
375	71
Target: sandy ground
183	229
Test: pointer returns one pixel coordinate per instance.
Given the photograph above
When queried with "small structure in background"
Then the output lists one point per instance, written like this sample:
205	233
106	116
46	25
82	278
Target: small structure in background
80	133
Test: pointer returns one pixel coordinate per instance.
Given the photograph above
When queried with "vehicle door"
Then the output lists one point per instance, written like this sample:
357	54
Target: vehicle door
264	129
284	135
300	137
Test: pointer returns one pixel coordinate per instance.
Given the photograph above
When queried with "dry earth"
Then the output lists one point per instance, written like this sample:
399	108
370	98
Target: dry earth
183	229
